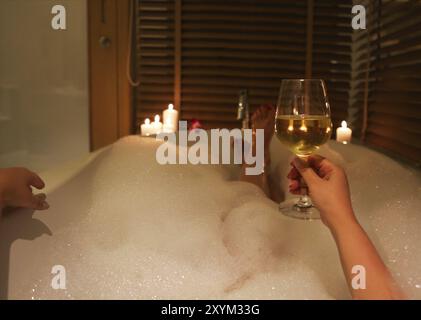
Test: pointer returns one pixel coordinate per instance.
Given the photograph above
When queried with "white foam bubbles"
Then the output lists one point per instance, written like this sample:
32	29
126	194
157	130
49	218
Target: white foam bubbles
148	231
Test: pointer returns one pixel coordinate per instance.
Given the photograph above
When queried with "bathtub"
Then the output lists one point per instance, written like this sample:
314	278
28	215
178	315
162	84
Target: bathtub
122	226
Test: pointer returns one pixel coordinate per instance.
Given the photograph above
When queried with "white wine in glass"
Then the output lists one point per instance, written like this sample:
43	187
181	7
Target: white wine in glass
302	124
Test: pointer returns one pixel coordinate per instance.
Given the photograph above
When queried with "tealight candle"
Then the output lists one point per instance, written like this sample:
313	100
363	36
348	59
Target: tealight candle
156	125
170	118
343	133
146	128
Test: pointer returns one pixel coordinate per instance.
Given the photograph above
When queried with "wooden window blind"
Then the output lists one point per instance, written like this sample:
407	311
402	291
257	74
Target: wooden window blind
227	45
388	78
154	56
331	61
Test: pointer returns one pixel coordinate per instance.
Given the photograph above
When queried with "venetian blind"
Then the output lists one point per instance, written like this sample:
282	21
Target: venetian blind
154	56
389	75
331	53
228	45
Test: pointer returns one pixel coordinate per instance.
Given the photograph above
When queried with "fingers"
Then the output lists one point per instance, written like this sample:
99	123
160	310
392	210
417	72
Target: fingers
322	166
41	196
314	170
294	187
36	181
308	174
38	202
316	161
294	184
293	173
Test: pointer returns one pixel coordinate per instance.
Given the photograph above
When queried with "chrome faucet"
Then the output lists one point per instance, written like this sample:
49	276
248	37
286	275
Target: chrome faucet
243	113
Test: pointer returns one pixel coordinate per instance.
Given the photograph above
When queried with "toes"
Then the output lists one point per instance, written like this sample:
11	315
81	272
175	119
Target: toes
270	109
253	116
257	115
264	112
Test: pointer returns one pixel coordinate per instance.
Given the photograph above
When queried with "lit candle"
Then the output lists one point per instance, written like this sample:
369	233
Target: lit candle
343	133
156	125
168	127
170	116
146	128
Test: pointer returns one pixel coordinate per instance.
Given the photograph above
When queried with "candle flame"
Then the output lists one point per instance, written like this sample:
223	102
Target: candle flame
303	126
170	106
147	121
344	124
290	126
157	118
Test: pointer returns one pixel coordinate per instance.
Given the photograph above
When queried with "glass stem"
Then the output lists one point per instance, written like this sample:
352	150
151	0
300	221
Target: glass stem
305	200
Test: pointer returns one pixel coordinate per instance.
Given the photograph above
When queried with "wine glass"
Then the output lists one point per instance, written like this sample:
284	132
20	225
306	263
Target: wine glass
302	124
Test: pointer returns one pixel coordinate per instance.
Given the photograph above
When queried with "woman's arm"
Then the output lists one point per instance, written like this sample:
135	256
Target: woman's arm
330	193
356	249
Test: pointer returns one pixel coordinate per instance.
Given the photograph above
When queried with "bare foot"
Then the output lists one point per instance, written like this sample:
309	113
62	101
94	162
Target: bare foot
264	118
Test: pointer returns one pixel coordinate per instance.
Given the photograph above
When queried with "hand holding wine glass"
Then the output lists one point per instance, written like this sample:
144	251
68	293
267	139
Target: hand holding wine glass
328	188
302	124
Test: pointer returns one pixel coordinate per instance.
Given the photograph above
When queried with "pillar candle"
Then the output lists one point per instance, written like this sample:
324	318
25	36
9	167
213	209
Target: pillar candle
170	116
343	133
